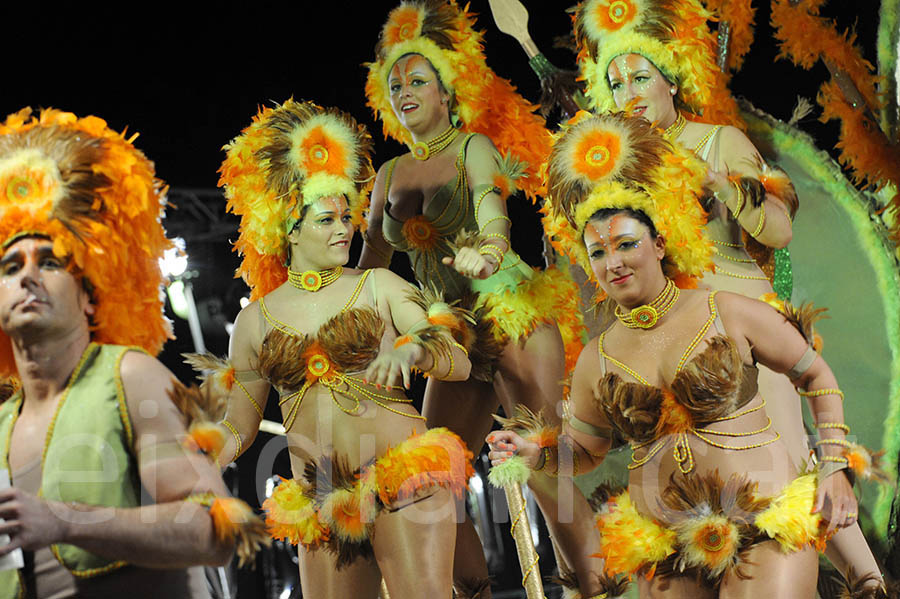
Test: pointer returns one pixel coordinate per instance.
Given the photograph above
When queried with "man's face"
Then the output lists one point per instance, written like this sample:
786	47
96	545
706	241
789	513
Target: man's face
37	293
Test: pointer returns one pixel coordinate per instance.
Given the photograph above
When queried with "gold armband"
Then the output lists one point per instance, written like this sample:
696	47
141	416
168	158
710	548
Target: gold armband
838	425
237	439
740	201
762	222
822	392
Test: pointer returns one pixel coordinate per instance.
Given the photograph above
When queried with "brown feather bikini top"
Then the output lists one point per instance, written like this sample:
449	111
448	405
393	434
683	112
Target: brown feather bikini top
293	361
711	387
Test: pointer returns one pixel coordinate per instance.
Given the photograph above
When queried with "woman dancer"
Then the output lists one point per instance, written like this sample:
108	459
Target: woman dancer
715	506
338	345
443	204
657	59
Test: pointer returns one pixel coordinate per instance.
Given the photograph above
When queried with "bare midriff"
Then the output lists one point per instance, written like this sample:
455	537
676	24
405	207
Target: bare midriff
768	465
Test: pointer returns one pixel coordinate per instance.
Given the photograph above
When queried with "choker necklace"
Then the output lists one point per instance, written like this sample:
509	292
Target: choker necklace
313	280
674	130
423	150
646	316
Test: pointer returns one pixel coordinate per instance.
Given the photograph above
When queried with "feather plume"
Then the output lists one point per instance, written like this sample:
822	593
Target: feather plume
466	239
601	495
530	425
631	408
789	518
674	35
511	472
637	163
202	410
217	372
611	586
289	156
305	140
753	191
557	89
437	458
86	187
778	184
484	344
802	110
630	542
330	482
234	520
804	318
196	404
851	586
549	296
568	580
687	497
458	320
608	148
281	360
352	338
709	385
481	102
713	520
866	463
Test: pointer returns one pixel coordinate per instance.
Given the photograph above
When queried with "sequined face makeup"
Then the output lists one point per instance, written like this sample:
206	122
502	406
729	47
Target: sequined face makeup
415	91
637	84
610	238
623	255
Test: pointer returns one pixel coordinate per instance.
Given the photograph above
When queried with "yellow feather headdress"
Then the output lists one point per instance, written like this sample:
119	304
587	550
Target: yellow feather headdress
289	157
615	161
96	196
672	34
443	33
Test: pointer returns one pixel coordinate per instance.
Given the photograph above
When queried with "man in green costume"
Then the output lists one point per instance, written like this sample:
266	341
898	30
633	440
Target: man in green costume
104	498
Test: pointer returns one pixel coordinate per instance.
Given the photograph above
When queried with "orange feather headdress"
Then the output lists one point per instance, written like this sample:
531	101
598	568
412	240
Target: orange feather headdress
672	34
443	33
289	157
615	161
96	196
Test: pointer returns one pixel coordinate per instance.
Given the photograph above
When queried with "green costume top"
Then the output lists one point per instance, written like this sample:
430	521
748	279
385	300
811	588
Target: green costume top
88	455
427	236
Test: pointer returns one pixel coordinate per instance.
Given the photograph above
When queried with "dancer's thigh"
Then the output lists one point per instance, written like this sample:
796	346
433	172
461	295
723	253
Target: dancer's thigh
773	574
531	372
414	547
320	577
465	407
673	587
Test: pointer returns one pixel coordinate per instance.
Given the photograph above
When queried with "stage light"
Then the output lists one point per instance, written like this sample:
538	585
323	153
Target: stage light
174	261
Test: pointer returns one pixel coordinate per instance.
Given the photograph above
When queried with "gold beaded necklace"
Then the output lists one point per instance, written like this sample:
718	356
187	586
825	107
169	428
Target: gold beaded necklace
423	150
674	130
313	280
647	315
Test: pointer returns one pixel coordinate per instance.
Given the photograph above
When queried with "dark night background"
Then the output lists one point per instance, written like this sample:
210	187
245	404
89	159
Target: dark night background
189	77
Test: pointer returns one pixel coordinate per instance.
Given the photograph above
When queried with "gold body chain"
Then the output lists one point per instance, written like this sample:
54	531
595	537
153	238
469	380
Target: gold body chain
682	450
338	383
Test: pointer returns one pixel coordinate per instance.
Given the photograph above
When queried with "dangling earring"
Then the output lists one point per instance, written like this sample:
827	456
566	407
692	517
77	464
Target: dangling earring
673	90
